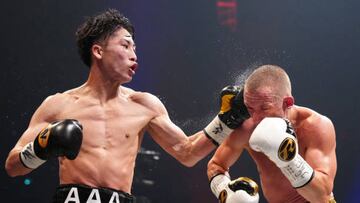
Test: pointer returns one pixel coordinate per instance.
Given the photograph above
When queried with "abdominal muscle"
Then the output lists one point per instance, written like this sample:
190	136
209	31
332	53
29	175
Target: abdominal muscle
275	186
112	135
96	166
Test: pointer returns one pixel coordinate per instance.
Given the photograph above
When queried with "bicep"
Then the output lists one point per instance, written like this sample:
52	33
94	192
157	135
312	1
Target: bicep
321	152
321	161
39	120
166	133
30	134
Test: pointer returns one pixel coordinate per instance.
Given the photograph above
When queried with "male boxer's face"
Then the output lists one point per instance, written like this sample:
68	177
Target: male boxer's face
263	103
118	56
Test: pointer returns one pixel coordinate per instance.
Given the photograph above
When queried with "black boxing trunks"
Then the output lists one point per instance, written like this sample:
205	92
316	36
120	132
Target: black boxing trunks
75	193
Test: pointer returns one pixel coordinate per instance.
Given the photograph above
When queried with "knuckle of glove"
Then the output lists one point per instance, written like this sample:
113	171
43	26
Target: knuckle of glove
244	184
230	90
241	196
77	123
233	110
238	105
71	138
230	120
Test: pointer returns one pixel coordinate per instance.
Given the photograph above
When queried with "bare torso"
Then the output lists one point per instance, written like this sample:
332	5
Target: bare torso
112	134
274	184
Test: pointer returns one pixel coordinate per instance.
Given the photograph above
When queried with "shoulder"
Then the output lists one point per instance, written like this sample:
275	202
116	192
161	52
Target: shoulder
54	100
310	118
147	100
322	125
316	125
59	100
51	107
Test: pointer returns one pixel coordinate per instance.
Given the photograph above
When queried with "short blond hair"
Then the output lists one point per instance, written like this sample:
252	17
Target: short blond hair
271	76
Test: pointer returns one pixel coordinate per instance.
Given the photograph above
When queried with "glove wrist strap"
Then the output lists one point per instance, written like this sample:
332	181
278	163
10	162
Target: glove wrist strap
28	157
299	172
217	130
218	183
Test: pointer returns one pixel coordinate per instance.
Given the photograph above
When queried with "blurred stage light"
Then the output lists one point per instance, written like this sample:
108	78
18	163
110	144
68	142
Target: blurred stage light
27	181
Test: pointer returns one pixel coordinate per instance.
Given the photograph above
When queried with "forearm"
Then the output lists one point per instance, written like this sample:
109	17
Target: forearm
13	165
61	138
197	147
225	156
318	190
214	168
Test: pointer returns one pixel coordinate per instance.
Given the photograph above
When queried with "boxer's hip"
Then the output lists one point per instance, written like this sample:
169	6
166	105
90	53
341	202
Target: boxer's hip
76	193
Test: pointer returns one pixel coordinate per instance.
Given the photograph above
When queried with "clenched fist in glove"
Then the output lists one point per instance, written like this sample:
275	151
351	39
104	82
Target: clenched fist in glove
276	138
232	114
241	190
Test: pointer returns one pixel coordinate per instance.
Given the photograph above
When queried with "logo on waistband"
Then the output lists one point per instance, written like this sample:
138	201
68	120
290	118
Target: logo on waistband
95	196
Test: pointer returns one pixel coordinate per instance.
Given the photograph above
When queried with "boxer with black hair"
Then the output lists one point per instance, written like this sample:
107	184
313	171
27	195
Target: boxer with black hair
97	157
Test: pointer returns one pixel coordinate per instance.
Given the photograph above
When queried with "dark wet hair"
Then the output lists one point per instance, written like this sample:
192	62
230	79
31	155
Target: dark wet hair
97	29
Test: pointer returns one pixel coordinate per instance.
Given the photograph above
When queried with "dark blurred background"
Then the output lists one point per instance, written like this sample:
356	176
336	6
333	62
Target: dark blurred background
187	51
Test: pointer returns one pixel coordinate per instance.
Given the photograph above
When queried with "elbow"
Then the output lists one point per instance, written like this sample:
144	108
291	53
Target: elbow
9	169
188	162
329	189
188	158
13	169
11	174
321	190
327	185
325	196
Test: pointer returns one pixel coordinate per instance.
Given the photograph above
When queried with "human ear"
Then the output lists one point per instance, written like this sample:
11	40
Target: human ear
288	101
97	51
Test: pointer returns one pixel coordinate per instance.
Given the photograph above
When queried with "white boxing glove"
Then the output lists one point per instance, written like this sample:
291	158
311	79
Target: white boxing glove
241	190
276	138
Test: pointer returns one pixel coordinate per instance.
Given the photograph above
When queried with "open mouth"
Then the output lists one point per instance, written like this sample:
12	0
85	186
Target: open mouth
134	67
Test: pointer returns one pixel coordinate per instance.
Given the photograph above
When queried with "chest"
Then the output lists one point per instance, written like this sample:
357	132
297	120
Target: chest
113	123
271	176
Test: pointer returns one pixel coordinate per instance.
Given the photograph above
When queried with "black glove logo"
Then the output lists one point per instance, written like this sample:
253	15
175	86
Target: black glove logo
218	129
287	149
44	137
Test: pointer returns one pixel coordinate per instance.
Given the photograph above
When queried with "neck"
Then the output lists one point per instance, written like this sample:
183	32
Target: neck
292	115
101	86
